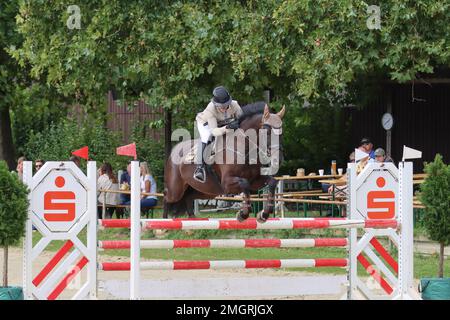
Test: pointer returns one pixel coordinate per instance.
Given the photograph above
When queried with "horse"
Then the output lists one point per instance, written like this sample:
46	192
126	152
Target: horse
181	189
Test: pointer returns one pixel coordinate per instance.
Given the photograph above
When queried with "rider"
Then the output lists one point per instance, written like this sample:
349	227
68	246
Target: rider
220	114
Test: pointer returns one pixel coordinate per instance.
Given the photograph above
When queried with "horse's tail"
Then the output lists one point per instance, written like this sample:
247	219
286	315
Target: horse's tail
174	209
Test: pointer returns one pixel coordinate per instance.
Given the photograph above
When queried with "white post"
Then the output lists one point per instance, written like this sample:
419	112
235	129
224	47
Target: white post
28	241
406	244
135	217
351	208
196	209
92	228
280	192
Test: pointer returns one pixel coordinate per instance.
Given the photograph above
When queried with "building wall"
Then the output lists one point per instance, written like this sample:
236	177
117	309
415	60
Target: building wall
422	124
122	118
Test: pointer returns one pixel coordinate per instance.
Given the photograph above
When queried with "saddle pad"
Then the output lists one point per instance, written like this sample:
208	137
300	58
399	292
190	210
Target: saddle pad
190	156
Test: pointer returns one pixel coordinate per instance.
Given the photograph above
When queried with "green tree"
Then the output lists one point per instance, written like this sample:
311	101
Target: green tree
26	104
435	195
60	139
173	53
13	212
10	77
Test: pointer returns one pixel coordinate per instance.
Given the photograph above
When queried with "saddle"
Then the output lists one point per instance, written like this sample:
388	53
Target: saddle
190	156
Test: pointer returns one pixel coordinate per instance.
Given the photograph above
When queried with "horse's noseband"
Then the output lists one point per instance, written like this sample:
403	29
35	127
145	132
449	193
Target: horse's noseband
277	131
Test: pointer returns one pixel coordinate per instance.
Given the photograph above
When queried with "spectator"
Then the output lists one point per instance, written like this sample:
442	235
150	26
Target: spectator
107	181
125	179
380	156
367	147
351	157
362	164
19	167
148	185
342	180
39	163
76	160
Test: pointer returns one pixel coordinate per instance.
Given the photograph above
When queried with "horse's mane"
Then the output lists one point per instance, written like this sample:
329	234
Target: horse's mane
252	109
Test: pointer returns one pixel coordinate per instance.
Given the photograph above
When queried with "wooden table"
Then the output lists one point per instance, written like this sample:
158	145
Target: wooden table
334	181
420	176
299	178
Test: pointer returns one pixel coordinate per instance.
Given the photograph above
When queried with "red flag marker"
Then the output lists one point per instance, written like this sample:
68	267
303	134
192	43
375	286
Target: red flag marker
82	153
128	150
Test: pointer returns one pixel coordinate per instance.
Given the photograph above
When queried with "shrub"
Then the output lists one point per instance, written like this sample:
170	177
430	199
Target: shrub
13	211
435	195
59	140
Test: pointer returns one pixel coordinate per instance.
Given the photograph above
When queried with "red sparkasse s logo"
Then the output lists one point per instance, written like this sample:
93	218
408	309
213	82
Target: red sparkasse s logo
59	205
373	205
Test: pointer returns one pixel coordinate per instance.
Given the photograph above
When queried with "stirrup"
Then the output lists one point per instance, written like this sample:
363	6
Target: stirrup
204	175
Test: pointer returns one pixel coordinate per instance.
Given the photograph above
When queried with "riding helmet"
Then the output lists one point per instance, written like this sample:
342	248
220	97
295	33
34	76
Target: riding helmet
221	97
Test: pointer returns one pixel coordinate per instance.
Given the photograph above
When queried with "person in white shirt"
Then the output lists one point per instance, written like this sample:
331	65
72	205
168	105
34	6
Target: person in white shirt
148	185
107	181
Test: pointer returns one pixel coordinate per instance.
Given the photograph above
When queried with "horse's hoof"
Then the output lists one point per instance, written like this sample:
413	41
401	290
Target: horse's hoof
241	217
260	217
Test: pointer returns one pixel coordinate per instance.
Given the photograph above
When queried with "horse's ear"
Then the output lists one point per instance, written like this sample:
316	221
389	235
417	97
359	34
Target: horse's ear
266	112
281	112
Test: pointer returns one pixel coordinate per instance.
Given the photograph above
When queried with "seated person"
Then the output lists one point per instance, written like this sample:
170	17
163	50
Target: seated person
148	185
329	188
107	181
366	145
38	164
380	156
125	179
343	180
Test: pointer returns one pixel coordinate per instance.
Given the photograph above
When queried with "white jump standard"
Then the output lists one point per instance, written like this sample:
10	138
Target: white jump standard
379	204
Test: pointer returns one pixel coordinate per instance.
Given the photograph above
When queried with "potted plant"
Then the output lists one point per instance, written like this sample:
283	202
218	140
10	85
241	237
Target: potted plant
435	195
13	216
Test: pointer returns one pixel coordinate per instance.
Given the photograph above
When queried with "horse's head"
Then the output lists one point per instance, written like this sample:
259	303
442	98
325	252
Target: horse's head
273	121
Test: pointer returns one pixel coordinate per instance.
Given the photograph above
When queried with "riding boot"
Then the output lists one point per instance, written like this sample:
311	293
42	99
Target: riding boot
200	172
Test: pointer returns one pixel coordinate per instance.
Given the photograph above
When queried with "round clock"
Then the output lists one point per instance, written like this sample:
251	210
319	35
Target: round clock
387	121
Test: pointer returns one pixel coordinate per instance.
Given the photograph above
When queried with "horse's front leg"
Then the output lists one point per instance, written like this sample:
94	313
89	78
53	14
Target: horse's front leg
234	185
270	204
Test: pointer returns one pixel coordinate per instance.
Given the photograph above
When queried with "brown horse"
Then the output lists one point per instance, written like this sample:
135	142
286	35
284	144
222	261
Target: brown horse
181	189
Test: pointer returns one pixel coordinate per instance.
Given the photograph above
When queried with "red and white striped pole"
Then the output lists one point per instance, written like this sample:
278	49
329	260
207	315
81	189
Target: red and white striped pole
251	223
227	243
227	264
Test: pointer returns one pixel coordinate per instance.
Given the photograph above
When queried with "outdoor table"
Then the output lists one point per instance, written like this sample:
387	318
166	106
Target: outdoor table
335	183
299	178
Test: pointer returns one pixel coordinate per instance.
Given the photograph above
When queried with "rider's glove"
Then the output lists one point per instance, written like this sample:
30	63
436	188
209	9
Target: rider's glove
233	125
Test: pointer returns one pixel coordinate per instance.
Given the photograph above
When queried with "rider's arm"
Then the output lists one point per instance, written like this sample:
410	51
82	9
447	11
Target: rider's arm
237	109
212	124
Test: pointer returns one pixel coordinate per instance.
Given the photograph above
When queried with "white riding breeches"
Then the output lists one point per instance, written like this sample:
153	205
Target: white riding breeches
205	132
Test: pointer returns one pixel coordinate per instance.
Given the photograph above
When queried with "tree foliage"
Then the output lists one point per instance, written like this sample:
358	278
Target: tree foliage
435	195
58	141
172	53
13	207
